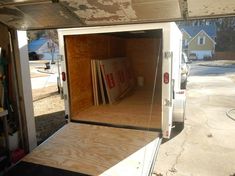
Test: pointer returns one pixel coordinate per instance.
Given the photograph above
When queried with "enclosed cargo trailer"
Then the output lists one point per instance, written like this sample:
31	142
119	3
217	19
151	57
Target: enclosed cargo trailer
154	51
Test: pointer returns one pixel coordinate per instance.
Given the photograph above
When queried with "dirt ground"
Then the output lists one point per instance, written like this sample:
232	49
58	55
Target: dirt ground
47	100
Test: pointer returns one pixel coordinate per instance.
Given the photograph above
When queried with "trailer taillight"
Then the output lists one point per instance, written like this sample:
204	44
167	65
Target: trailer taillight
63	76
166	78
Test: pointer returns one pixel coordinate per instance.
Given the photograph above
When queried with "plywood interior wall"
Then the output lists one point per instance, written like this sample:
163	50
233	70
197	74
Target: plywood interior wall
80	49
143	53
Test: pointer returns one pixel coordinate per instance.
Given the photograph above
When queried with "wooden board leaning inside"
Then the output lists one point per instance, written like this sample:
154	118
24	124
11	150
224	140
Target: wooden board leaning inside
111	79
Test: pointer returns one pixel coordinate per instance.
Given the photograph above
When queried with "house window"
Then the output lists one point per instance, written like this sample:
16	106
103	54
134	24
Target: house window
201	40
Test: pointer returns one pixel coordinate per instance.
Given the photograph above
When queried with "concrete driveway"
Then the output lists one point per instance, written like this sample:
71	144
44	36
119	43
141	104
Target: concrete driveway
206	147
41	78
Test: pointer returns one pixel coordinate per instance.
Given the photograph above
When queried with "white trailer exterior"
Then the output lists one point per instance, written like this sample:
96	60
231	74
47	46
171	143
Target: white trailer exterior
172	51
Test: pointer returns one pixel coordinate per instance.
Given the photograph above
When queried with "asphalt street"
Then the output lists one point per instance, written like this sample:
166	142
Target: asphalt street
206	146
197	70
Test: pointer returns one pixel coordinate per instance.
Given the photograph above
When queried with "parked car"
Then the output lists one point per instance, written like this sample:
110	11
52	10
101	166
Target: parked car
33	56
207	58
192	57
185	69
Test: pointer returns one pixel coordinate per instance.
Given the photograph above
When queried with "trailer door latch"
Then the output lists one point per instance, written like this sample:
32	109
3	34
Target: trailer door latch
167	103
168	54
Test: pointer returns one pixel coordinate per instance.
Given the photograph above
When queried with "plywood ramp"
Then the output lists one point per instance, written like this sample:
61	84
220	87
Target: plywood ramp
133	110
94	150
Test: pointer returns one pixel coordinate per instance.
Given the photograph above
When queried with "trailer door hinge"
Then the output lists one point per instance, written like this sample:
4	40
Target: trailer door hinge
168	54
62	95
167	102
65	96
60	57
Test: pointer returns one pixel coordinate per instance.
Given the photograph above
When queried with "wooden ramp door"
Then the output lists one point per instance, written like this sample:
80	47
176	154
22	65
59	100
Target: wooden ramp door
98	150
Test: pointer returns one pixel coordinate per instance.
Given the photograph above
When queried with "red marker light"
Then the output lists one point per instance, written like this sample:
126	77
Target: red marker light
167	133
166	78
63	76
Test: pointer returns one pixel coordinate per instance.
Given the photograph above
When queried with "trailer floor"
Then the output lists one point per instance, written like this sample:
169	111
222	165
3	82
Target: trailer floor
97	150
133	110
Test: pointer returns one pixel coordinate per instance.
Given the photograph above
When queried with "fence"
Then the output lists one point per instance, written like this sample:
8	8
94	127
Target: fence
227	55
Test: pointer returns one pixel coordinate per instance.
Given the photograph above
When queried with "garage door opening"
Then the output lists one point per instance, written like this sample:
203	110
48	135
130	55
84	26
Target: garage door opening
44	72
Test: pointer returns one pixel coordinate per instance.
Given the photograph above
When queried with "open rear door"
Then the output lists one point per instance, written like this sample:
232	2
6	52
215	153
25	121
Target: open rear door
62	79
167	82
93	150
167	94
172	38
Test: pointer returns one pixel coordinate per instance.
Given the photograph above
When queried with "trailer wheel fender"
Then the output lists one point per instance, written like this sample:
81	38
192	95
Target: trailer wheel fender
179	106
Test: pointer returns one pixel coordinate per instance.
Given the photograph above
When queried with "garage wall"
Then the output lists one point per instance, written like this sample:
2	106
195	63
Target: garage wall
4	38
18	79
79	52
4	44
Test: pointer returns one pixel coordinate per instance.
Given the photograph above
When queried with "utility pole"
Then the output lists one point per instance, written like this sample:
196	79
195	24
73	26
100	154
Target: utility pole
51	47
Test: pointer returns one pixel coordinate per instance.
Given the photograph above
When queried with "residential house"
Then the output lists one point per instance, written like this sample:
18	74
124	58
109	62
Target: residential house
44	47
199	39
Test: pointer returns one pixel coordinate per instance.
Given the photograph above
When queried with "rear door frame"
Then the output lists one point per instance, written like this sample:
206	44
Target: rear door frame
167	92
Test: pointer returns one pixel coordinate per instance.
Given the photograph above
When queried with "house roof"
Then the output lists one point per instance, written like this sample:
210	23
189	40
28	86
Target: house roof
194	30
36	44
205	34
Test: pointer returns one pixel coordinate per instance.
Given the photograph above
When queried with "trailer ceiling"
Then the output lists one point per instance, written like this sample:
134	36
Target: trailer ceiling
41	14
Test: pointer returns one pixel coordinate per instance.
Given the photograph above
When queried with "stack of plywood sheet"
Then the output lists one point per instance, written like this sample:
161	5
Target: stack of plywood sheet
112	79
